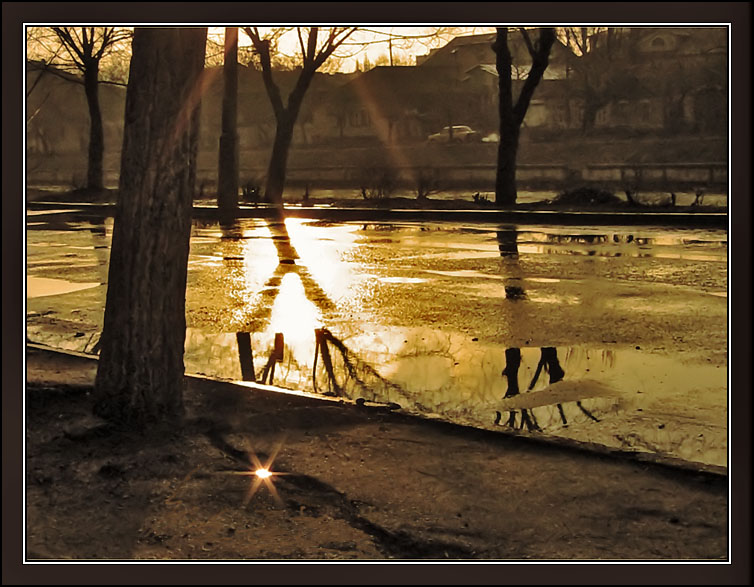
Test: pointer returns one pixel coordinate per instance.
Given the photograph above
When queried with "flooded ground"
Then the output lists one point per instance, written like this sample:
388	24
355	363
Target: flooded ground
609	335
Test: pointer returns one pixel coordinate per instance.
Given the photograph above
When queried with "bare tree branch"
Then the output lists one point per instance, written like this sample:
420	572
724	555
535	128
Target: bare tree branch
527	40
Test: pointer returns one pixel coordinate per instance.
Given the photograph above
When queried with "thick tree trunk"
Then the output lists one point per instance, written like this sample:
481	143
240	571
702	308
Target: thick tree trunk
140	372
94	174
227	181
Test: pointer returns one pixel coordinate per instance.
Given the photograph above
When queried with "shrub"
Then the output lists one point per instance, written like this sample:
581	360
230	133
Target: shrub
377	183
587	196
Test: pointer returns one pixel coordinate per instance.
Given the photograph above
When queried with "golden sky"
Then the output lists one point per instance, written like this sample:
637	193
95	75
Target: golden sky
372	41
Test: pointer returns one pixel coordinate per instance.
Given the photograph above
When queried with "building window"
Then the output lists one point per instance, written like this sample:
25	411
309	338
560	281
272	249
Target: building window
621	110
359	119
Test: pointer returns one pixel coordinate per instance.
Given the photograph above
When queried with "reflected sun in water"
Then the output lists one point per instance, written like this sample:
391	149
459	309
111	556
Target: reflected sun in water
322	250
296	317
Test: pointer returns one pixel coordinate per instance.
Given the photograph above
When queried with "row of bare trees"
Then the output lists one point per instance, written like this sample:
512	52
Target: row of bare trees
314	52
140	373
83	50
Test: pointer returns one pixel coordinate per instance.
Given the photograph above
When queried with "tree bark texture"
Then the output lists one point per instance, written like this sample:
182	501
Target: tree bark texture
140	373
227	181
94	175
512	113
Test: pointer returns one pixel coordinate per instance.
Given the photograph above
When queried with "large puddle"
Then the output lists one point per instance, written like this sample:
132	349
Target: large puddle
428	317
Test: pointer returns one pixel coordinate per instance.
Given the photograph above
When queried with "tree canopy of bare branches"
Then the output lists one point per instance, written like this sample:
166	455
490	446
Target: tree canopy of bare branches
82	49
315	47
594	56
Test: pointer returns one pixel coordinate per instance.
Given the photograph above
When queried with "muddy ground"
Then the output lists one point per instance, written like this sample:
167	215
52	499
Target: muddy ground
352	482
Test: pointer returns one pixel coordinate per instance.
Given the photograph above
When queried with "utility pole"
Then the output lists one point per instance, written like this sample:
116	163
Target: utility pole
227	180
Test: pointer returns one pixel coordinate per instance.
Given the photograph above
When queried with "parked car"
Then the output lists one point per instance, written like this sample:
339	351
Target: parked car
461	134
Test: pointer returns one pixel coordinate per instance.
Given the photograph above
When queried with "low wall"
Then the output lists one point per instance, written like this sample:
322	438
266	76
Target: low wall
639	165
669	176
679	176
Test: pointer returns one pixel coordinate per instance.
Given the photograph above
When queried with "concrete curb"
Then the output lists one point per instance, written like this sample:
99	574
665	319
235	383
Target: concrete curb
550	442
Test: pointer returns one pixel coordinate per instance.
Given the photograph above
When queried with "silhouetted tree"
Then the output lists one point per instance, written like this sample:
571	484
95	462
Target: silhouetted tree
597	59
314	52
86	47
512	114
140	372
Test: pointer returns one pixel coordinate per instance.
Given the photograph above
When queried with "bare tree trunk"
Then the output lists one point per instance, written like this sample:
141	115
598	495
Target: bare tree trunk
505	181
94	174
276	171
512	115
227	182
140	372
314	54
507	148
286	121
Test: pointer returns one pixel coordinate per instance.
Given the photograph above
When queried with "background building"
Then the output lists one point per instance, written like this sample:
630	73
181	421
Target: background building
639	95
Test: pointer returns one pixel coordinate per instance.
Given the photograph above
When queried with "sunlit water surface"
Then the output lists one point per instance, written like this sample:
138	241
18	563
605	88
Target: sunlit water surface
356	311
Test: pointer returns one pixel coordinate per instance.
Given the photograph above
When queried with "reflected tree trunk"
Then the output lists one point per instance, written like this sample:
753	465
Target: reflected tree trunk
140	373
550	358
245	356
507	244
512	364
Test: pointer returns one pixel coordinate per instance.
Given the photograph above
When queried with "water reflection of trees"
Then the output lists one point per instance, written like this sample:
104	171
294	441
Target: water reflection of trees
340	371
612	244
262	312
593	239
507	244
347	374
525	418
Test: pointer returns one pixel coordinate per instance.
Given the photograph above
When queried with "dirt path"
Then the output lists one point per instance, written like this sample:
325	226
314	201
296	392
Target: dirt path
351	482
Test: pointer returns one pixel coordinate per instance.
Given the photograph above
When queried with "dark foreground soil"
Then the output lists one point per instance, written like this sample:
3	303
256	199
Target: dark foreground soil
351	482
